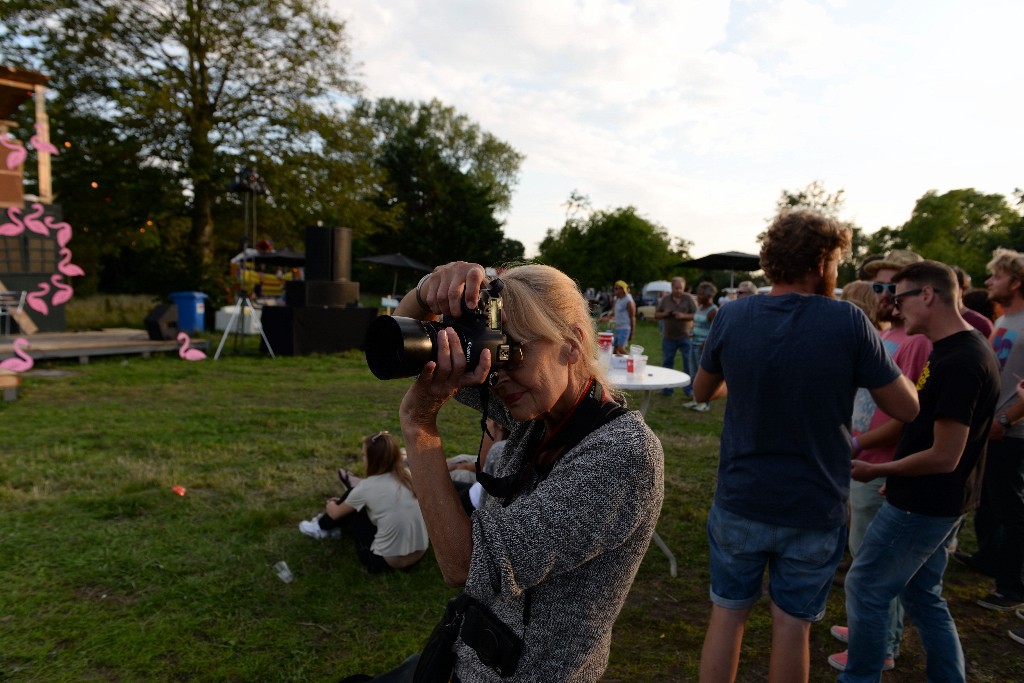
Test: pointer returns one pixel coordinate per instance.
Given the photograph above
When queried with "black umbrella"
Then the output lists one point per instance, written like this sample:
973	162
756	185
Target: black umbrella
281	257
728	260
398	260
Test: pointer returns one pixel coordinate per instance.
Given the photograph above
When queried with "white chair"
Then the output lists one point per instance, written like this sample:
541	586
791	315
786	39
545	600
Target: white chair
12	304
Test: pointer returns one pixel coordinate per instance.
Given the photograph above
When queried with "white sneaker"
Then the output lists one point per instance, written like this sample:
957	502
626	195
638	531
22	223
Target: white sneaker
691	404
703	407
311	527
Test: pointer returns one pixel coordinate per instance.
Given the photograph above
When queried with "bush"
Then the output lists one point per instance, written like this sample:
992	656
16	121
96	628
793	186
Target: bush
109	310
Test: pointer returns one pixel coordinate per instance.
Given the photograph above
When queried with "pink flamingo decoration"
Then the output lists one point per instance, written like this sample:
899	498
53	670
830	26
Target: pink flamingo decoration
66	266
61	292
186	351
39	144
35	299
32	222
22	362
62	229
16	153
14	227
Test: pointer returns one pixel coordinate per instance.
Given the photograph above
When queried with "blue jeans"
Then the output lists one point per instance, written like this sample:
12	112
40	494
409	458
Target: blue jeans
668	360
693	359
620	336
903	555
801	563
865	501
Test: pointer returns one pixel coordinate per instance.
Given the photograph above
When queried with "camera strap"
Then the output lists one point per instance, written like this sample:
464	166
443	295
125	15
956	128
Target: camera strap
592	410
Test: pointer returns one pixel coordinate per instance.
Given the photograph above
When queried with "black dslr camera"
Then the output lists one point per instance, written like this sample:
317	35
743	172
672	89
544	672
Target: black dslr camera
400	347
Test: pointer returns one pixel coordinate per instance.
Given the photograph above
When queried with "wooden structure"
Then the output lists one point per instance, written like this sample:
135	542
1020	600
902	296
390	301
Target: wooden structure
16	87
82	346
35	257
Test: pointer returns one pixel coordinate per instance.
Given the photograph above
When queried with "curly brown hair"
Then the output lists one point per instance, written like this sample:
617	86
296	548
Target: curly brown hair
797	242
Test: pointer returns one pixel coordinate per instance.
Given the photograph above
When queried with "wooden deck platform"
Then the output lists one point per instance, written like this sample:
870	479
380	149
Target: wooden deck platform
86	345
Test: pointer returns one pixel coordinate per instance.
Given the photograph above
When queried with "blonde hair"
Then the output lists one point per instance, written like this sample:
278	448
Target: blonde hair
861	295
384	456
541	302
1009	261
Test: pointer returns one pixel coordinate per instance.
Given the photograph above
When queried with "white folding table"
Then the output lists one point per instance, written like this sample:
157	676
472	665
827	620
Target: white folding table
654	378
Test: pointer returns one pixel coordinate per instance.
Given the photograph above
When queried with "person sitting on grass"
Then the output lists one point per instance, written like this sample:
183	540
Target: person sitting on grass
380	511
462	468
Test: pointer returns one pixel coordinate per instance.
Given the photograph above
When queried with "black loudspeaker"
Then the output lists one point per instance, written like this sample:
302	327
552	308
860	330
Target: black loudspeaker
295	293
162	322
325	254
303	293
332	293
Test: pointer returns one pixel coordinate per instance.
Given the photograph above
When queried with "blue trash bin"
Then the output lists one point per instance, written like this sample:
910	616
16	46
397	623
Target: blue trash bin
191	310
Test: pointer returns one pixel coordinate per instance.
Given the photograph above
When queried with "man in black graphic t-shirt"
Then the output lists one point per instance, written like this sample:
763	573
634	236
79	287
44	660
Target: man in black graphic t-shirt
932	481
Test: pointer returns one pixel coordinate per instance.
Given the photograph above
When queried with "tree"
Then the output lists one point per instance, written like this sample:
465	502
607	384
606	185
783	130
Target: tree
130	232
446	181
814	197
199	84
604	246
960	227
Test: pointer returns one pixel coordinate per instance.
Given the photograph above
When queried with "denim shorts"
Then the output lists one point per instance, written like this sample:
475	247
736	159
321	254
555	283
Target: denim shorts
621	336
801	563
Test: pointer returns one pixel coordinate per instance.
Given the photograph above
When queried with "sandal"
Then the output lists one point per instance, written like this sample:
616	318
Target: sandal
343	476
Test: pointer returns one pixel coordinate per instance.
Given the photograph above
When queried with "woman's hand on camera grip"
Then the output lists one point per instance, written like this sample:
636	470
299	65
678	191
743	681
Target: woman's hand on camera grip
443	291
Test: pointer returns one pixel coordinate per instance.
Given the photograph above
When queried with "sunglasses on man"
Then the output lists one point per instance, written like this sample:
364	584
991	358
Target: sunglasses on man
898	299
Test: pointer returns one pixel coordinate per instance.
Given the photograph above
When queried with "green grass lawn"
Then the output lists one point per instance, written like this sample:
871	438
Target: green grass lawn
107	575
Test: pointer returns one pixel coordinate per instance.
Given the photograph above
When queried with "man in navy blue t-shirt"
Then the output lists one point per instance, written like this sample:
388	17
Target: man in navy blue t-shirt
792	362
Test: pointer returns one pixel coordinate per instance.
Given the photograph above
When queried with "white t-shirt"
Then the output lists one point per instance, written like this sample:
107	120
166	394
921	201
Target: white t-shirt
395	512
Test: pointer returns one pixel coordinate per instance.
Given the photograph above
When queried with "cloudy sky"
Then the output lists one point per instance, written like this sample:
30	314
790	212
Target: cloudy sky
700	112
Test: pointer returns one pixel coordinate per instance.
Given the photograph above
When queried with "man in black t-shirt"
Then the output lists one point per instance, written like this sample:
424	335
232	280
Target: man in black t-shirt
933	480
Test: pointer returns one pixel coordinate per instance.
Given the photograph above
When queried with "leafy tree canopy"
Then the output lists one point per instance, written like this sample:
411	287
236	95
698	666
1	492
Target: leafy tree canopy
446	180
814	197
198	84
438	131
164	101
960	227
596	248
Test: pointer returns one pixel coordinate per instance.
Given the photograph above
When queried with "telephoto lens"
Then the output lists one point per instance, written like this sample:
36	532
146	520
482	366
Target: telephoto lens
400	347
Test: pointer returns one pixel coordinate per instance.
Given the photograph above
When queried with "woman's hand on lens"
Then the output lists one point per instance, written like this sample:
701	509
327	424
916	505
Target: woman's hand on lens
438	381
443	290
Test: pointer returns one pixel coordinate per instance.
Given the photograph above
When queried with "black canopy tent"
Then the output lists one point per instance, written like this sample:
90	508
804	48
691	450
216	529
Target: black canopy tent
396	261
282	257
727	260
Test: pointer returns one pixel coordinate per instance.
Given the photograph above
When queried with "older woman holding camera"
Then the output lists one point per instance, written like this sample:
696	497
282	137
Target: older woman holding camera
553	555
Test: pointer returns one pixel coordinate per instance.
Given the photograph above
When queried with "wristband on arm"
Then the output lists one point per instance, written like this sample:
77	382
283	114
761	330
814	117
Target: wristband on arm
419	297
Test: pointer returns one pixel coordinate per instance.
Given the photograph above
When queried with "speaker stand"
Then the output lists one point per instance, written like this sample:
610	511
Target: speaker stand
237	323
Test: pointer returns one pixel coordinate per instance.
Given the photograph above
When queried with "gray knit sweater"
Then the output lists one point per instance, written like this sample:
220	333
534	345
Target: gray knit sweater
574	541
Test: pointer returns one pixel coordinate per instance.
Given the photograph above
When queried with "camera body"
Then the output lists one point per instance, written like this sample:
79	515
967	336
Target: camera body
400	347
